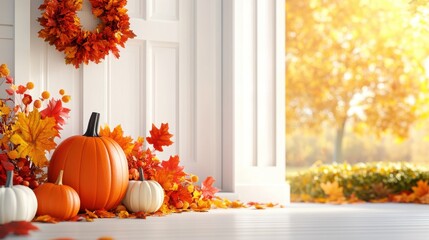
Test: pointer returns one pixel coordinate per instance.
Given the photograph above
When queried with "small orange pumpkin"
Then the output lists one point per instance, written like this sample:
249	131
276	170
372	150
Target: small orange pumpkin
96	167
57	200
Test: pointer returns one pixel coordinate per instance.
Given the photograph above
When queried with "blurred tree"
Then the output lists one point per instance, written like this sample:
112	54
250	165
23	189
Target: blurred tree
358	63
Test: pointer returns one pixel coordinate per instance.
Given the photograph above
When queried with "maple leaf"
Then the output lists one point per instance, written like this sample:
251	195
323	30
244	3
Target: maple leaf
179	196
424	199
169	173
34	136
118	135
333	191
160	137
421	189
56	110
17	228
173	165
208	190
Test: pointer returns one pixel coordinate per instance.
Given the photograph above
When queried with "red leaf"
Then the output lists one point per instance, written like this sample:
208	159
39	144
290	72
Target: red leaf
9	80
21	89
55	109
17	228
8	166
9	91
3	157
208	190
160	137
172	164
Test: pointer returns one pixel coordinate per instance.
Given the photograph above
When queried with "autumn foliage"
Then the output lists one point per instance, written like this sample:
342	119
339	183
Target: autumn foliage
348	71
371	182
62	28
29	126
181	190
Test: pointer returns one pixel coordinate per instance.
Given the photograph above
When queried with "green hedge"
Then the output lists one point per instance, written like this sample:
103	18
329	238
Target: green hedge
367	181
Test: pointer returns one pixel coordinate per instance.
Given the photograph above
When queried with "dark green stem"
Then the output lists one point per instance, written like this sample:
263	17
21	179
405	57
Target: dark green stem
92	130
141	174
9	179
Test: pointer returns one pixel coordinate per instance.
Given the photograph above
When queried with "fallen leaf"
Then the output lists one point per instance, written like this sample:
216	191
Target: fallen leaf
105	238
104	214
123	214
45	219
90	214
120	208
17	228
141	215
259	206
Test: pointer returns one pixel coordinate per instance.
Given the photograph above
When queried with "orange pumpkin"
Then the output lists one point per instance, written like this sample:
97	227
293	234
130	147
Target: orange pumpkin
96	167
57	200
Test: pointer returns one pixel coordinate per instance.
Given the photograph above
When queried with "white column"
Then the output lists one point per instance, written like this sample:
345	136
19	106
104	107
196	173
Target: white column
254	93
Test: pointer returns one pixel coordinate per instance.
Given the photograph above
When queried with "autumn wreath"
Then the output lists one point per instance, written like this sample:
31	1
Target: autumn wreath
62	28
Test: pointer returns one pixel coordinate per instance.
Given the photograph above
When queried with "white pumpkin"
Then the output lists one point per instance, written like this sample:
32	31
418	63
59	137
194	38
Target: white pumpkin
144	195
18	203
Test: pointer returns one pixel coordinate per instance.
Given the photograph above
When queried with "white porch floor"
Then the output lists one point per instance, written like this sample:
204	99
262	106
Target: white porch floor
296	221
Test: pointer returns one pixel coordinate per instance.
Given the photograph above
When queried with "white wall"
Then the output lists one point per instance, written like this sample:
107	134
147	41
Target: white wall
7	33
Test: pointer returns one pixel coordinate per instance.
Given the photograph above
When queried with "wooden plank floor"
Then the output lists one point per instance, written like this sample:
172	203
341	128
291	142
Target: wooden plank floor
296	221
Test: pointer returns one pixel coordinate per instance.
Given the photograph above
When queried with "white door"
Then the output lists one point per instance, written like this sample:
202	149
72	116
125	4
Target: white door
170	73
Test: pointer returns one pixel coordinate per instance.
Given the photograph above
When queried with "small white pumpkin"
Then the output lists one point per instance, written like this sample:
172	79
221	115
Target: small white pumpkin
18	203
144	195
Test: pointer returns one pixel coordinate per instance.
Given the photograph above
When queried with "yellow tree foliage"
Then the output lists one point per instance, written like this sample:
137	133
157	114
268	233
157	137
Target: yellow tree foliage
358	63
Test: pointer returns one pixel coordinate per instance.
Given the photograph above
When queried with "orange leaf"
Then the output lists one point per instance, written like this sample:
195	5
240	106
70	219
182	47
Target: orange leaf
421	189
123	214
259	206
424	199
160	137
120	208
104	214
90	214
45	219
118	135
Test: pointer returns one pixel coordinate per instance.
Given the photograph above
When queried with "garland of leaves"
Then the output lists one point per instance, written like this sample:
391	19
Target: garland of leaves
62	28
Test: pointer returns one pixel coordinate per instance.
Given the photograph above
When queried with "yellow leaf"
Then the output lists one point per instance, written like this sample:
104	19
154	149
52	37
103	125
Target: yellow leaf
118	135
333	191
34	136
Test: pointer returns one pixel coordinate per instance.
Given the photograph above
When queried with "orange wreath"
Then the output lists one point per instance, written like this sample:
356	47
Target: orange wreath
62	28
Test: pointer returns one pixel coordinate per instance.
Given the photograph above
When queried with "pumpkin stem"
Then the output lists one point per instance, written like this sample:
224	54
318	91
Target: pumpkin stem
91	131
141	174
9	179
60	178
